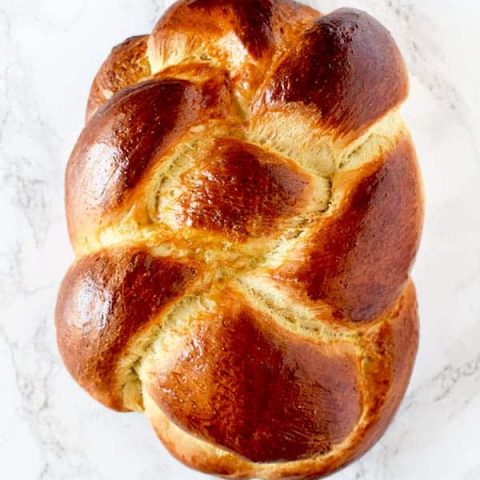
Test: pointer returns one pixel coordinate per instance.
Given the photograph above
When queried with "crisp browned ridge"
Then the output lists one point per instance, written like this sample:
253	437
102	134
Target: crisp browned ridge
245	207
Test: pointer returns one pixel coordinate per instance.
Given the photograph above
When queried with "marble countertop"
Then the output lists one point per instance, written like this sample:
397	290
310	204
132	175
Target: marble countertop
50	429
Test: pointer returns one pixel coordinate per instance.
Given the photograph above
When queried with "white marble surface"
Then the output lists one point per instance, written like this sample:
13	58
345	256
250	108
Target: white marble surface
50	429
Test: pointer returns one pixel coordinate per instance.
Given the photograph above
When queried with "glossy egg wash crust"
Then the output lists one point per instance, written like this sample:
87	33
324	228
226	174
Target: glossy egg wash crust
245	207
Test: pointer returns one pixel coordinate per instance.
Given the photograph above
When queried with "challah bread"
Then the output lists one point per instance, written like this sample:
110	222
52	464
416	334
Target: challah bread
245	207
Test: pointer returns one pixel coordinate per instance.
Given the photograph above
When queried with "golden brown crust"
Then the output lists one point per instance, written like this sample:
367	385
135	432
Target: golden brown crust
119	145
241	191
126	65
251	19
388	358
258	24
389	366
105	301
358	259
281	397
242	35
245	206
347	67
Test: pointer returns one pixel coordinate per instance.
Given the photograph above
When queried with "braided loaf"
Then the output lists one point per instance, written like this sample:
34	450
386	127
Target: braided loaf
245	207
